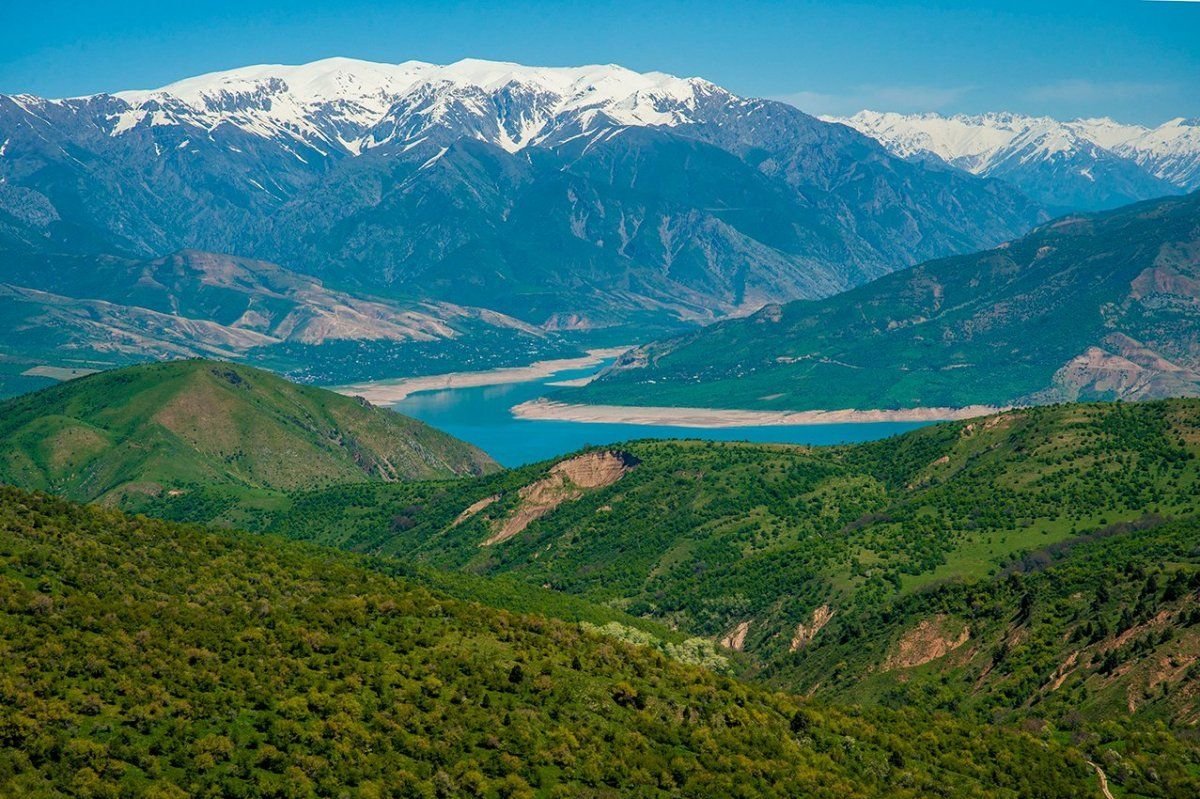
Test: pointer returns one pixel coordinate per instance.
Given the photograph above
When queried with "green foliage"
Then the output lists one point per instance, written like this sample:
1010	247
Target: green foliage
1005	528
1096	636
142	658
703	536
696	651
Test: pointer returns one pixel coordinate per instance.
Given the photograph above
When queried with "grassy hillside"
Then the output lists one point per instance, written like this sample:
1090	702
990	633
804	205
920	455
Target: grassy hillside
134	433
1084	632
149	659
956	566
1087	307
708	535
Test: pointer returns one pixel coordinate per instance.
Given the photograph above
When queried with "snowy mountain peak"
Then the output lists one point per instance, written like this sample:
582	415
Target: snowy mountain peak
1000	144
357	105
974	143
327	79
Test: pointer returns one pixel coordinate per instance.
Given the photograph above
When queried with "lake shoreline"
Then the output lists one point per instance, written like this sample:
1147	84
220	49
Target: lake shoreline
387	392
548	410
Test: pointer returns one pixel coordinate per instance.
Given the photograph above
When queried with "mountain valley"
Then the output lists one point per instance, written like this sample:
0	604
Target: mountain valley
425	429
1090	306
1034	569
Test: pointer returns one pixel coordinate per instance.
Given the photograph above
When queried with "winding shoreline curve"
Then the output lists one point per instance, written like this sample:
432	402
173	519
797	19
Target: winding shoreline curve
386	392
544	409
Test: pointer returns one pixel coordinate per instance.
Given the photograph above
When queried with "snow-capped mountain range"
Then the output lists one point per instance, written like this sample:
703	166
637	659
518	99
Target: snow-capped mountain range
1084	163
563	197
353	105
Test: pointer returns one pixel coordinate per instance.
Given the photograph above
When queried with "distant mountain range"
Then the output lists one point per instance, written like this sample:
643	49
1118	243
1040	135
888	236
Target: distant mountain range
567	198
1085	164
1103	306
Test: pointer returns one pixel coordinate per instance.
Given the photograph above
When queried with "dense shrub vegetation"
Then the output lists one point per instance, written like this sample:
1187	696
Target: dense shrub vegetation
705	535
142	658
1047	558
1037	570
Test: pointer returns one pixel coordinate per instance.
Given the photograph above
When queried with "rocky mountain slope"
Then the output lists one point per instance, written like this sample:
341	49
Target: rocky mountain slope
157	429
104	310
1087	307
1085	164
566	197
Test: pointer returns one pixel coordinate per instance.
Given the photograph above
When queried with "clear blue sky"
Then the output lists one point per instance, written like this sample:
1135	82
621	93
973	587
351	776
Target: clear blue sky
1135	60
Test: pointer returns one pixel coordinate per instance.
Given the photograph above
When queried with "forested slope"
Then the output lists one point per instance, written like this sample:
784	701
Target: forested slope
148	659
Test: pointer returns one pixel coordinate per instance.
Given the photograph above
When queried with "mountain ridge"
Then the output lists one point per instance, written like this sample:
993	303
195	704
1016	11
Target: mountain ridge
99	311
1081	164
598	194
266	303
234	96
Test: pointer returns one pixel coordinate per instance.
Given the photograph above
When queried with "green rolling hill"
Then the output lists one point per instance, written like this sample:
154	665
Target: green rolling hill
839	570
1103	306
1037	569
134	433
704	534
145	659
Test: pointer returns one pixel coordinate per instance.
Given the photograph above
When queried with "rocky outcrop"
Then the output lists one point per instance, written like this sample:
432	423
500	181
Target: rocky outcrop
566	482
736	638
806	632
1124	369
931	639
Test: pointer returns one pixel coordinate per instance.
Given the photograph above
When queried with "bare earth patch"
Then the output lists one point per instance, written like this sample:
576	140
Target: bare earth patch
931	639
475	508
58	372
1064	671
806	632
736	639
566	482
1128	369
719	417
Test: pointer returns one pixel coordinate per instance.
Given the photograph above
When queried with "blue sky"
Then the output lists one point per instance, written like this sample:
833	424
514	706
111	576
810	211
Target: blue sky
1135	60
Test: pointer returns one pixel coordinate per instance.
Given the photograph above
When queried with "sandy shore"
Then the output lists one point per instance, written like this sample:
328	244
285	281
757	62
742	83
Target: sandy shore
716	417
385	392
